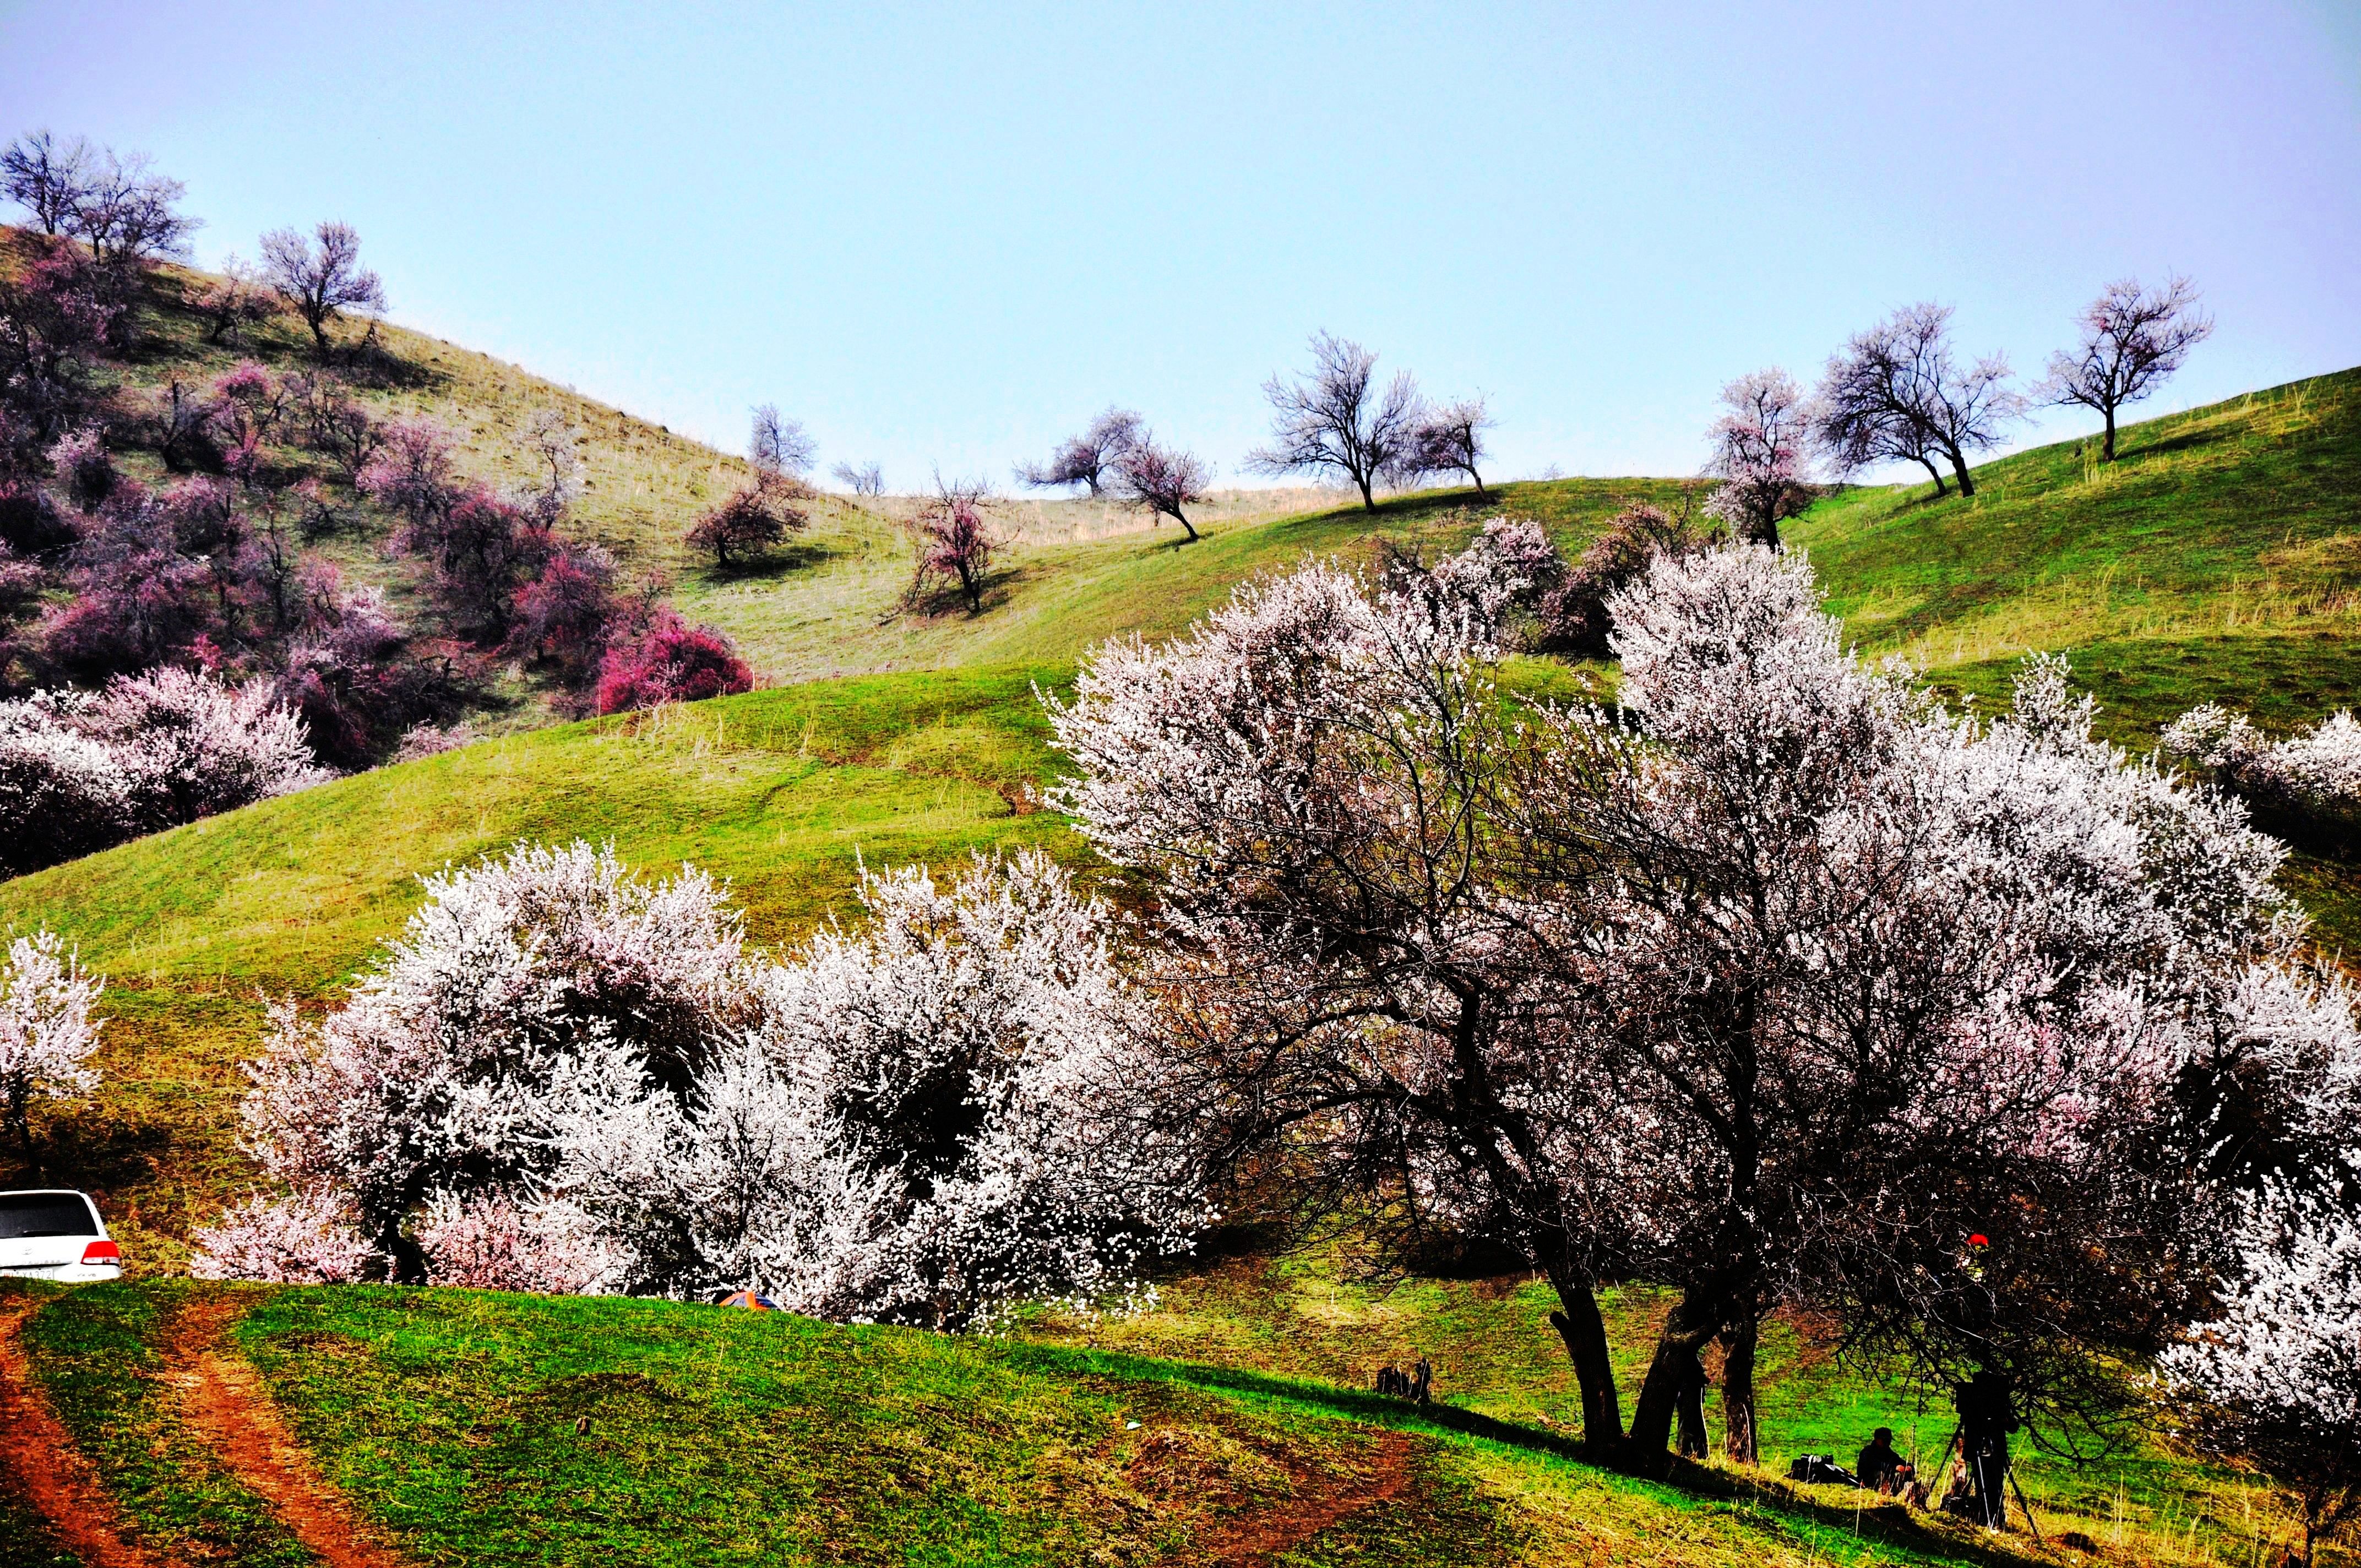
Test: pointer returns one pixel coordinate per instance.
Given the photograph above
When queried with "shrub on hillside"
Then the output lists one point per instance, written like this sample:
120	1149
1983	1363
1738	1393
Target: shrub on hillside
62	793
753	519
498	1242
1498	582
563	616
56	317
520	984
667	660
2276	1378
2314	774
141	594
31	524
423	739
78	771
956	544
478	551
81	460
1574	615
563	1078
305	1238
234	301
191	745
347	671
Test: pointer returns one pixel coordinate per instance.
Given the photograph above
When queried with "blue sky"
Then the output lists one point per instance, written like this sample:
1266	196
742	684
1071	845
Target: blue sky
949	235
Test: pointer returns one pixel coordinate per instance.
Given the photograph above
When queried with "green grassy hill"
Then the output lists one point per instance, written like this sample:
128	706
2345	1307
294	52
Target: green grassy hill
2211	561
476	1427
2218	558
831	604
781	789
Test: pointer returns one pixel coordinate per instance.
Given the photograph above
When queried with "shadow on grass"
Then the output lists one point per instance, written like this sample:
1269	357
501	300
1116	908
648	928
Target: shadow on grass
2127	453
800	556
1889	1522
101	1156
948	602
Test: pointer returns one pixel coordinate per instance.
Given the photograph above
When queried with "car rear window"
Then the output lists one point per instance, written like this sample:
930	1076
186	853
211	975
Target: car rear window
26	1214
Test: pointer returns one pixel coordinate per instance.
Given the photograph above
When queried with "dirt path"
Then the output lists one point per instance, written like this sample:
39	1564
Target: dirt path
46	1468
1268	1531
226	1404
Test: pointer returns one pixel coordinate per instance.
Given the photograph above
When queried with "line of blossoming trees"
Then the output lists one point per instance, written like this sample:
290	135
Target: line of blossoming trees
171	649
1896	392
1778	984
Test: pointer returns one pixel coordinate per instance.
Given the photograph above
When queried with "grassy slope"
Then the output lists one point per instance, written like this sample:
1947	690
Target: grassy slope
831	604
2216	560
500	1429
2217	556
779	791
2206	562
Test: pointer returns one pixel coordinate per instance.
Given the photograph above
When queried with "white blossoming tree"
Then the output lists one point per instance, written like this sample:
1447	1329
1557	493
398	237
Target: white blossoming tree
2276	1379
47	1033
521	986
2313	774
1683	987
933	1120
564	1078
81	770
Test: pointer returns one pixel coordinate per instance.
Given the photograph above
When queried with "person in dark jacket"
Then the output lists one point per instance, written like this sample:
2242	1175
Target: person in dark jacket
1688	1405
1987	1415
1878	1461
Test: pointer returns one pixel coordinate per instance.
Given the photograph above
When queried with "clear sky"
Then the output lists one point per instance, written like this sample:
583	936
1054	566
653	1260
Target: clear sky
949	235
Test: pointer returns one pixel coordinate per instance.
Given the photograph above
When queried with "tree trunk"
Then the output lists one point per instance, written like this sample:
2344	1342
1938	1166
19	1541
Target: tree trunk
1369	498
1738	1435
1937	475
18	1119
1183	521
1585	1333
2107	452
1960	466
1694	1324
1481	494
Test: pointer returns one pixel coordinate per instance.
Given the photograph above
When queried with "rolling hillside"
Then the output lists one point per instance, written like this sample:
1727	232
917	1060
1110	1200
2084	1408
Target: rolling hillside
2215	538
2211	562
642	480
449	1426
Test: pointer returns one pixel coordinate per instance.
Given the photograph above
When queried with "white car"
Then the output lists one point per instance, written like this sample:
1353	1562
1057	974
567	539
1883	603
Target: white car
55	1234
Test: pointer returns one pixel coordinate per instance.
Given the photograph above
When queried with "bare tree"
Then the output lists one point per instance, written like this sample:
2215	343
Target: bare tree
237	299
552	442
125	213
780	446
1900	383
1160	480
50	179
1759	453
2133	339
869	479
1448	438
956	540
1335	421
321	282
1858	421
1088	458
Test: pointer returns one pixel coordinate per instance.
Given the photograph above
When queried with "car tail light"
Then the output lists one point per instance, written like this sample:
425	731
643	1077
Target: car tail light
101	1252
